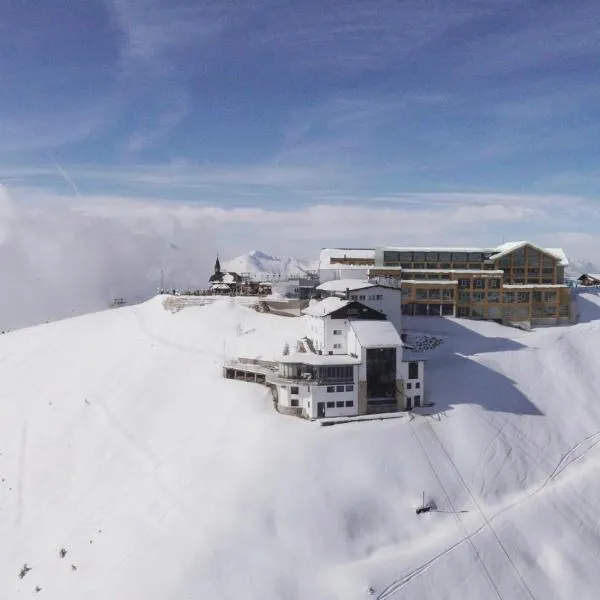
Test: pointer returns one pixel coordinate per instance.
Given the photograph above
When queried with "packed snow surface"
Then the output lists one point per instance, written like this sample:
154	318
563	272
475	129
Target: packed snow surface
122	445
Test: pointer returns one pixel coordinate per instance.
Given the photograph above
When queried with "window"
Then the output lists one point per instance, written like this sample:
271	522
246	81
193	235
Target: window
337	332
413	370
476	256
379	297
434	294
431	257
409	386
418	265
432	265
389	257
445	256
417	400
330	389
331	405
339	388
349	403
464	297
463	311
361	297
479	283
353	297
349	388
448	294
493	297
417	385
337	346
523	297
405	256
494	284
294	402
421	294
509	297
339	404
478	296
464	283
294	390
419	256
460	257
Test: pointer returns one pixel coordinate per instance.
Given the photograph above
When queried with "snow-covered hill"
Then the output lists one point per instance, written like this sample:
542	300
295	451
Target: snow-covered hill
121	444
262	265
579	267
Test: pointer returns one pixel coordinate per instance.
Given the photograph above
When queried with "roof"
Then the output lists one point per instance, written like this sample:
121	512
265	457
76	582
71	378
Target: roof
465	271
325	307
310	358
591	276
328	253
432	281
341	285
376	334
509	247
435	249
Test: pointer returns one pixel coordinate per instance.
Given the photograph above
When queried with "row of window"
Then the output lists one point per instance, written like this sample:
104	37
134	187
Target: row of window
434	294
480	283
362	297
339	388
417	385
341	404
433	257
549	297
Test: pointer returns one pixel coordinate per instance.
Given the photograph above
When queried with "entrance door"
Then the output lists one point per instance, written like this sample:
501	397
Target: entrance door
408	404
320	409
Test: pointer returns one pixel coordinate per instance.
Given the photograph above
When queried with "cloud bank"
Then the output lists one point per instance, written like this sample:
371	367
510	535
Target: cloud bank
65	255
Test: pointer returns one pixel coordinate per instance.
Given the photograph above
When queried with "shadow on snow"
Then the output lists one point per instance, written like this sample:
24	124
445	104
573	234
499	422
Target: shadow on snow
588	304
454	375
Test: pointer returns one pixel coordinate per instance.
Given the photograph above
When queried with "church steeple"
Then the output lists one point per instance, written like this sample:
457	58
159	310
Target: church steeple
217	266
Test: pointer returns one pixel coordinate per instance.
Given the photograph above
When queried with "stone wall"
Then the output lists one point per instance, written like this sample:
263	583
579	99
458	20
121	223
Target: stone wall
400	401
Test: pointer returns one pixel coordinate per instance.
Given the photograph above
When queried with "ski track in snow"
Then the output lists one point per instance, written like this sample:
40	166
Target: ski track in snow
564	463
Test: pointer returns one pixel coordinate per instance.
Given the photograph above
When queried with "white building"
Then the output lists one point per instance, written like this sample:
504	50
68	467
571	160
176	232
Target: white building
344	263
384	297
350	363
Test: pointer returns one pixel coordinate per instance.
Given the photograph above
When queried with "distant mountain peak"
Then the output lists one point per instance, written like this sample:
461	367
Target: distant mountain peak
261	264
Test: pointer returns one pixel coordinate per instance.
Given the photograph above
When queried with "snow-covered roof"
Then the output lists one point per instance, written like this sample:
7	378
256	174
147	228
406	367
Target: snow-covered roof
434	249
322	308
591	276
359	253
341	285
219	286
509	247
533	286
310	358
376	334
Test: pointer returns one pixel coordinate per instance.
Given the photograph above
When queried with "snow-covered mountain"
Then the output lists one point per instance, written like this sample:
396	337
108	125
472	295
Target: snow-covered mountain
579	267
129	468
260	264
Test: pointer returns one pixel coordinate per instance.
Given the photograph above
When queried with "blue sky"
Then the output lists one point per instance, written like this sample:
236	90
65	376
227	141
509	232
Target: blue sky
405	110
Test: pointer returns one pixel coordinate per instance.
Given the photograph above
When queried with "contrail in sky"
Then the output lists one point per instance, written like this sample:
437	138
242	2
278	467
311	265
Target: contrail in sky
65	176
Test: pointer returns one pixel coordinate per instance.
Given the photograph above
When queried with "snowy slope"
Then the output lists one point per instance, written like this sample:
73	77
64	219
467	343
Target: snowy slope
263	265
120	442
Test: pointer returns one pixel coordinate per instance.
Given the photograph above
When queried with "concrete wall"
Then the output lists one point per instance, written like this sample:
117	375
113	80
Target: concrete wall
330	273
362	397
390	303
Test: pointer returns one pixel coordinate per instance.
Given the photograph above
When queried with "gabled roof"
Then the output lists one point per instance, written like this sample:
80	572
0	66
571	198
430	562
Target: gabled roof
325	307
509	247
590	276
376	334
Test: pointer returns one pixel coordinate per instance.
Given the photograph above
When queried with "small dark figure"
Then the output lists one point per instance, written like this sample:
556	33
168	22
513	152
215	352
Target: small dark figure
24	571
38	589
73	568
63	552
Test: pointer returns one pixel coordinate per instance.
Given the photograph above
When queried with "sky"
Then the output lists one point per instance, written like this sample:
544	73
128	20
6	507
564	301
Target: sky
288	126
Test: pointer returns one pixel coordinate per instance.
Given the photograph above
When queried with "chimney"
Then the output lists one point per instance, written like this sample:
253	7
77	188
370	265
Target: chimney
347	294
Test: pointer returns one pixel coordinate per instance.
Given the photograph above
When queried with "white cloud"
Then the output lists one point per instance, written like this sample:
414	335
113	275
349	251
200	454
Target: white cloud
61	253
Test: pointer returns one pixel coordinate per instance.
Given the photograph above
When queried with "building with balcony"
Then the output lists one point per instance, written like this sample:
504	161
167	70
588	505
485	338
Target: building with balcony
517	282
350	363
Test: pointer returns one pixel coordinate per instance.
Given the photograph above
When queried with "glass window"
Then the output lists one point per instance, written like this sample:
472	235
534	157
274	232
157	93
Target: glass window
405	256
409	386
419	265
464	283
339	388
390	257
349	403
448	294
479	283
464	296
419	256
413	370
330	389
434	294
478	296
339	404
494	283
522	297
349	388
331	405
418	385
460	257
431	257
475	257
294	390
432	265
421	294
445	256
294	402
493	297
